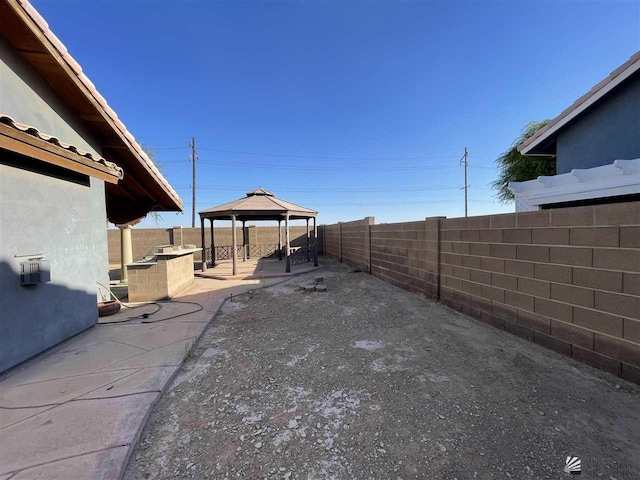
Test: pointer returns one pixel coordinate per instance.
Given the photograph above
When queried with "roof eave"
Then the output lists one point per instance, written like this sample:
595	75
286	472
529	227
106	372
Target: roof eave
548	132
65	76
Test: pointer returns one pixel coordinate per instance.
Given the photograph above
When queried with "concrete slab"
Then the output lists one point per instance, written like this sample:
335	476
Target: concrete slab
254	269
73	429
129	311
105	384
70	363
102	333
57	391
162	357
163	334
11	416
145	380
103	465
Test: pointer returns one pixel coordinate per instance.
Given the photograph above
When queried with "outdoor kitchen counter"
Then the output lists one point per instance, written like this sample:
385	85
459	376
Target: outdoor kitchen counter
168	274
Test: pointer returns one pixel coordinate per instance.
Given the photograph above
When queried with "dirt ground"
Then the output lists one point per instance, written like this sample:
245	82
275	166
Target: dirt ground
369	381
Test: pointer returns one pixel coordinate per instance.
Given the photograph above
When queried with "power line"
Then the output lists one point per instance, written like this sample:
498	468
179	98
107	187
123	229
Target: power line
424	189
170	148
324	167
313	157
331	169
325	157
423	202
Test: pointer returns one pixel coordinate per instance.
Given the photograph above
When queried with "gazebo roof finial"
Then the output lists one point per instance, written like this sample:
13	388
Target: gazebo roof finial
260	191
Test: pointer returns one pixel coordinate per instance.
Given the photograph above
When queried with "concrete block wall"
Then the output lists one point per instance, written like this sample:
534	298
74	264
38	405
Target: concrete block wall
406	255
331	236
144	239
355	244
567	279
164	279
179	274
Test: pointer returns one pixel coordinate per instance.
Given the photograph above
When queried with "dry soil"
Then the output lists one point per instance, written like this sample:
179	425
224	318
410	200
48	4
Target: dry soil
368	381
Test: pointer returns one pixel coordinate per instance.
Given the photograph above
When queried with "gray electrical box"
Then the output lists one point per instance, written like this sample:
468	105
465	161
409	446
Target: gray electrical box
35	271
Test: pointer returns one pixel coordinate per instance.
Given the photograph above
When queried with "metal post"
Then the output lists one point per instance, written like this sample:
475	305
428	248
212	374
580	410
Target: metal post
315	242
213	245
339	241
287	248
279	241
204	247
308	242
235	243
244	241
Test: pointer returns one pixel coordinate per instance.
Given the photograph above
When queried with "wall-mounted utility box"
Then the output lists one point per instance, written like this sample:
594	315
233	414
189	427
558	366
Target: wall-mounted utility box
34	271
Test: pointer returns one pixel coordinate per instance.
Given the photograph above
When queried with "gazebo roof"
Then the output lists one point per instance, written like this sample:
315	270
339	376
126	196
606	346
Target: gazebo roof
259	204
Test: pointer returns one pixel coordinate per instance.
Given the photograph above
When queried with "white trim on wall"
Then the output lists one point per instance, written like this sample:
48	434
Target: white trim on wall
622	177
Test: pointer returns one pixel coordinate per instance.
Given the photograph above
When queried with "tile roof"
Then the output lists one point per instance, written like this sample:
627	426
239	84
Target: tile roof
77	69
34	132
595	90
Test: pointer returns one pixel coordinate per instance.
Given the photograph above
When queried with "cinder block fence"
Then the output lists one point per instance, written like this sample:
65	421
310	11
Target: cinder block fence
567	279
144	239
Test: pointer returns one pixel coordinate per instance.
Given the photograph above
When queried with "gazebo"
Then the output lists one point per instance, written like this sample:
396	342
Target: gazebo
259	204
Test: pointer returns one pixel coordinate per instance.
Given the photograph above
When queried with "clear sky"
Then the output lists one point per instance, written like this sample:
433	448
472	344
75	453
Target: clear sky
352	108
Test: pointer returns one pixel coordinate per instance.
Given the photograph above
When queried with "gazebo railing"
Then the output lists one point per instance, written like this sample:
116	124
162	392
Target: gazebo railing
299	255
262	250
225	252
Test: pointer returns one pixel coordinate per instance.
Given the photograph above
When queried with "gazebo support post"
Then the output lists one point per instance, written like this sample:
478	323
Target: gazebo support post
234	246
287	247
308	242
315	242
213	245
279	241
244	241
204	247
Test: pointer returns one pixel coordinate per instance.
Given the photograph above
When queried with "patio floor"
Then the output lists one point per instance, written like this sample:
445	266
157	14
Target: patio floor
254	268
76	411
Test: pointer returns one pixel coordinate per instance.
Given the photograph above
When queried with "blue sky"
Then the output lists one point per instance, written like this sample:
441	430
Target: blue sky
352	108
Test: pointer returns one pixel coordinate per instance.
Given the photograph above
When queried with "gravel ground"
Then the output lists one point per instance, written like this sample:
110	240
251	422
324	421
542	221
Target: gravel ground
369	381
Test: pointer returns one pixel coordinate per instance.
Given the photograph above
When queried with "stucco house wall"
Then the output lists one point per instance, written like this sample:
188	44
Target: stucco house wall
608	131
50	211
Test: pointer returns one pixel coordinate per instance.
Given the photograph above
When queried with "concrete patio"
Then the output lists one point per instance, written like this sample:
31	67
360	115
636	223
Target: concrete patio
254	268
77	410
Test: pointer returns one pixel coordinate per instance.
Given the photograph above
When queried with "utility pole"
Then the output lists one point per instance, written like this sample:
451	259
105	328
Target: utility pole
464	160
194	155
